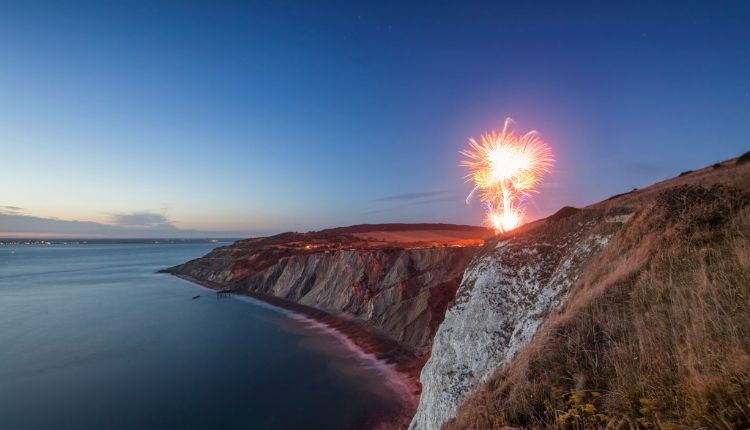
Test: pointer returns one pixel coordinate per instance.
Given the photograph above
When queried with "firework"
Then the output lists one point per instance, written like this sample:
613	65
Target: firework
505	169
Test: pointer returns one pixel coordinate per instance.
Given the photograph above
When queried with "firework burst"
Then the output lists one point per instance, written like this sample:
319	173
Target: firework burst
505	169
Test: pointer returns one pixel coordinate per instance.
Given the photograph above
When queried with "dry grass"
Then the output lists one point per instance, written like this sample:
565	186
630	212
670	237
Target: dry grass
655	335
426	235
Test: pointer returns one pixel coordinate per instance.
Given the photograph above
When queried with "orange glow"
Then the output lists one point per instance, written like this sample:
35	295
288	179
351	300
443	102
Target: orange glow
506	168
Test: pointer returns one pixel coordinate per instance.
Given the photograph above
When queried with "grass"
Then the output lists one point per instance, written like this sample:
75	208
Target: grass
655	335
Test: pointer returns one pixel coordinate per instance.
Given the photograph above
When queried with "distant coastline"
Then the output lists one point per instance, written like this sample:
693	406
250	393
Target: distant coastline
105	241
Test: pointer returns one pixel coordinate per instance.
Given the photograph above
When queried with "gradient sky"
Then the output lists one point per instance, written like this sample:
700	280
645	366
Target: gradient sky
259	117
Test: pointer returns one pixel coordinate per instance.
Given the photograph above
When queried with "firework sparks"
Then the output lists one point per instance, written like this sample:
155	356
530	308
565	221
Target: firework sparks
506	168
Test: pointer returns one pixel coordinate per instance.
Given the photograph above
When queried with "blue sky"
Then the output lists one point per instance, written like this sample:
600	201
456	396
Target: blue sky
257	117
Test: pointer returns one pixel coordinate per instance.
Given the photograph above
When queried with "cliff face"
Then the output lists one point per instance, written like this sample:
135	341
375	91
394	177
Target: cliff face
633	312
505	295
402	289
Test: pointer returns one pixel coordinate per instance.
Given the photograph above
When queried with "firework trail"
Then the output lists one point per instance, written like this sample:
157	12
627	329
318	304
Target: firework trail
506	169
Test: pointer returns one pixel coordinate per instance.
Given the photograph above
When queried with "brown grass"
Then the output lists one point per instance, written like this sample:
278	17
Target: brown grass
407	236
655	335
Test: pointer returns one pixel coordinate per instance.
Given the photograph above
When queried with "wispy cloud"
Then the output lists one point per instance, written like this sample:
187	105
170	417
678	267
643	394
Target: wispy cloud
412	196
141	219
11	210
423	201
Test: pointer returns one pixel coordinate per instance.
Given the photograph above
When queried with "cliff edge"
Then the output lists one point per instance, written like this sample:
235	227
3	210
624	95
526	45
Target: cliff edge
630	313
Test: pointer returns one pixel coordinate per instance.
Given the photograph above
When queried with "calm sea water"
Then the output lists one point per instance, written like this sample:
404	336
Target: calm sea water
92	338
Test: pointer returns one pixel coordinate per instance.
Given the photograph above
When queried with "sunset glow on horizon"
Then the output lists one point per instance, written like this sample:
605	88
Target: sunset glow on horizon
203	118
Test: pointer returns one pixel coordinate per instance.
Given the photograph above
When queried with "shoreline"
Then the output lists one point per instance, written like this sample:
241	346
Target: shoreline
400	365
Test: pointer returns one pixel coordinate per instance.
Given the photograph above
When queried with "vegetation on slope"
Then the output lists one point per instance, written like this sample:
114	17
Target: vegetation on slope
657	332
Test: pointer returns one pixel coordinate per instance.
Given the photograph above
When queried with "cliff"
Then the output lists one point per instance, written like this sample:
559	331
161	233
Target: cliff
630	313
398	278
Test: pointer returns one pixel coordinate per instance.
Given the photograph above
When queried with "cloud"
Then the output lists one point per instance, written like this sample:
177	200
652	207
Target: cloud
141	219
11	210
133	225
447	198
412	196
650	169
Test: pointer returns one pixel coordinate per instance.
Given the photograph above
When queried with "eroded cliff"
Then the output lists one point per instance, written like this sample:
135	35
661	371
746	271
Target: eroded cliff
397	278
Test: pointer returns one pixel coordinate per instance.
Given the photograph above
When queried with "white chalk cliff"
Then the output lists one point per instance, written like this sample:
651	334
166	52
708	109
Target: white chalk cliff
506	294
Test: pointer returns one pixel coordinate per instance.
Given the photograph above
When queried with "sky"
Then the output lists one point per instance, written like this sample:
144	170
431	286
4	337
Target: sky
172	119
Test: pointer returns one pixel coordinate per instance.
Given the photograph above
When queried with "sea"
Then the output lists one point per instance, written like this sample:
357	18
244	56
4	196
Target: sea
91	337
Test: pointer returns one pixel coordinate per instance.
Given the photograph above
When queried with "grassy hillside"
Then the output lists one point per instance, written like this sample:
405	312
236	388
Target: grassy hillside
656	334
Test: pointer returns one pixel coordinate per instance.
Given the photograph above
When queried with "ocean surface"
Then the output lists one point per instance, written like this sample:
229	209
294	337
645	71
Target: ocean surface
92	338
